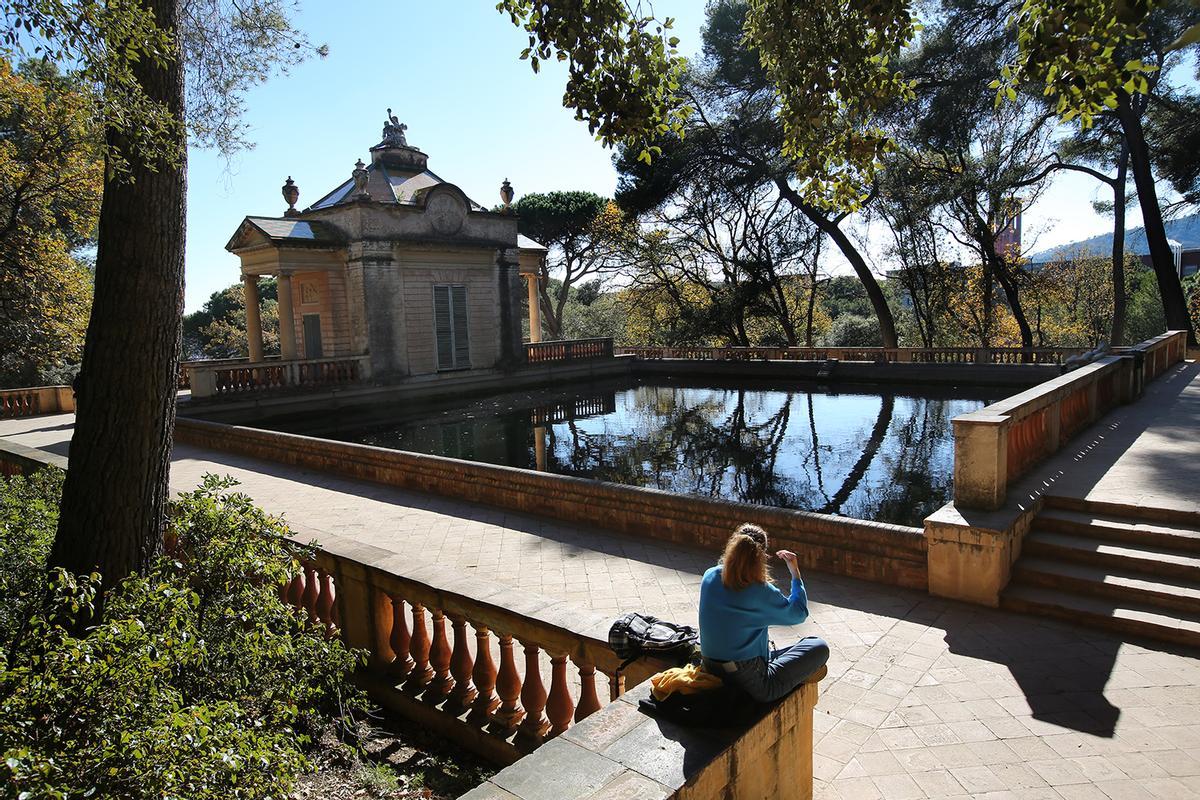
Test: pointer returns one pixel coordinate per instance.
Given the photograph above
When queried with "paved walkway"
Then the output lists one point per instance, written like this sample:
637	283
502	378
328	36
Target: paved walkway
1143	454
925	698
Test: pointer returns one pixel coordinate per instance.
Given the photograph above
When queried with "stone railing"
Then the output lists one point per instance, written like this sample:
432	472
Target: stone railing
893	355
998	444
568	350
185	367
480	680
35	401
622	753
240	378
1159	353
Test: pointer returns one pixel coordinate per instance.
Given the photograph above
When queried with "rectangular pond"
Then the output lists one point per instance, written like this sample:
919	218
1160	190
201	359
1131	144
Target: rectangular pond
868	452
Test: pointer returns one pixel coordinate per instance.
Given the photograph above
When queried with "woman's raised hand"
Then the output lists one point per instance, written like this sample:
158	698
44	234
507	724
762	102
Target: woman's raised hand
789	558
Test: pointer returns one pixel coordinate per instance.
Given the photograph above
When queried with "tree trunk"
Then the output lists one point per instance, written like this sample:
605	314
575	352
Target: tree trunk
115	495
887	325
1120	301
1174	304
1011	293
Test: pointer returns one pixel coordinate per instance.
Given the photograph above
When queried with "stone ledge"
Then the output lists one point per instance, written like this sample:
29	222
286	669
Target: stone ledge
620	752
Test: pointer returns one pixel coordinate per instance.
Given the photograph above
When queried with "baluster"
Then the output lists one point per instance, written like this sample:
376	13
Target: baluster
335	614
421	673
484	675
616	686
309	599
559	705
439	658
463	693
508	687
533	697
325	600
589	701
382	653
400	640
293	592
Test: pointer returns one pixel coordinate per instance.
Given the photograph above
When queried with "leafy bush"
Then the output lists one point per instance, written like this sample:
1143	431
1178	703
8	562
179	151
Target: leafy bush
28	519
197	681
852	330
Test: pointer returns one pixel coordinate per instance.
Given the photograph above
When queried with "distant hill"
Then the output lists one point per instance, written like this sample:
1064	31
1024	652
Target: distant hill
1185	230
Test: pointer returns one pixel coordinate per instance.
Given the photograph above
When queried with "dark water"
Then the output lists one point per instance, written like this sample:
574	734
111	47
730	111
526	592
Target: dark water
858	452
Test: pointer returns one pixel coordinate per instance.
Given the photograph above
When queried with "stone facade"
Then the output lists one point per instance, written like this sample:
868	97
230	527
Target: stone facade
360	267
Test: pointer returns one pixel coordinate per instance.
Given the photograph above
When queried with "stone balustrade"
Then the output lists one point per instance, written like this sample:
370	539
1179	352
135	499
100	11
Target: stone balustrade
185	367
35	401
998	444
897	355
209	379
497	671
568	350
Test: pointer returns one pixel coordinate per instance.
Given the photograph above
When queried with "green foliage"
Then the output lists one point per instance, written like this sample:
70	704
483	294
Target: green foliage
51	172
831	63
218	329
852	330
1076	51
28	519
196	681
623	67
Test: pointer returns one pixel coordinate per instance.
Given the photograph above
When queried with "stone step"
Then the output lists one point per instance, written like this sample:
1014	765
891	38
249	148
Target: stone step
1170	516
1114	528
1130	619
1134	558
1114	584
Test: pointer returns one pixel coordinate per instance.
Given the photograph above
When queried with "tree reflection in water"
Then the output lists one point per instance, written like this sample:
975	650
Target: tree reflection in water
868	454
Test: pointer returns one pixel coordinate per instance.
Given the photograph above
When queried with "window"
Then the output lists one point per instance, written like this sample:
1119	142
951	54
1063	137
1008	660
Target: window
450	327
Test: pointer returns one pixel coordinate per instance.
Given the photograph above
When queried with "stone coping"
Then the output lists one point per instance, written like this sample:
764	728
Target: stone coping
1025	403
622	753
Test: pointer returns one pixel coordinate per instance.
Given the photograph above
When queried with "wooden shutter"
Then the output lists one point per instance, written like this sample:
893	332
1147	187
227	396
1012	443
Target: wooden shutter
443	327
462	340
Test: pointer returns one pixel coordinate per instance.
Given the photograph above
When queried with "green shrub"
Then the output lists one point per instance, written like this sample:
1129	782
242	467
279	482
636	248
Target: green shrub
198	681
28	519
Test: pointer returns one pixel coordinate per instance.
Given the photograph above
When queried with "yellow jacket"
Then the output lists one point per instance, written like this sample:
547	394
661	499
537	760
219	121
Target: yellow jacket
685	680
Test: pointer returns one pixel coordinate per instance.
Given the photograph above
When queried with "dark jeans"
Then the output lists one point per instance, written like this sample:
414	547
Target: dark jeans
788	668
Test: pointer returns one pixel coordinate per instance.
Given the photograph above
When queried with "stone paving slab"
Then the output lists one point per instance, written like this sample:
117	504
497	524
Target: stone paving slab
925	697
1143	454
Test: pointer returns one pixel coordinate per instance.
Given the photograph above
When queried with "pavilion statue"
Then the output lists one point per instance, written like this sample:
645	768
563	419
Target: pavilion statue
396	265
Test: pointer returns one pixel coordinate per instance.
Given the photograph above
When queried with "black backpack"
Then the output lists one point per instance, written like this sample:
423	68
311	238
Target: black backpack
634	635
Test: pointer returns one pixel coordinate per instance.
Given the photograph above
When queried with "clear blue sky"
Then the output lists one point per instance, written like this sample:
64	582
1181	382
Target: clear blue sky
450	71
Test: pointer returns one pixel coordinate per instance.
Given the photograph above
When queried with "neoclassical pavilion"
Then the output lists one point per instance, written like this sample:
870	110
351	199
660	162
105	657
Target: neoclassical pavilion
396	265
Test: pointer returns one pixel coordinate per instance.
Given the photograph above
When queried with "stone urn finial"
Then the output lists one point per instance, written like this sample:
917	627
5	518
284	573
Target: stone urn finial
360	176
291	193
507	194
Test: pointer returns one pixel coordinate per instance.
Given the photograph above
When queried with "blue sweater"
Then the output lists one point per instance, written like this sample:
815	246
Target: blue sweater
733	624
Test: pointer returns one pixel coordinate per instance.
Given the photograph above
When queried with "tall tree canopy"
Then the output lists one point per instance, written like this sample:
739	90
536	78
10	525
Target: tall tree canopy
585	234
51	172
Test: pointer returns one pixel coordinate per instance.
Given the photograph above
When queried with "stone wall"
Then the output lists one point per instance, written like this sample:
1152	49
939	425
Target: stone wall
875	551
325	293
620	753
418	272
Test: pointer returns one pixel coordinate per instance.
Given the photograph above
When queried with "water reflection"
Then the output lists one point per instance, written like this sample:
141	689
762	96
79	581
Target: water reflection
871	455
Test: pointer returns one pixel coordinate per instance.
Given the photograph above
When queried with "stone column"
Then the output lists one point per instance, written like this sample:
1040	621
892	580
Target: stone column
254	335
535	309
539	448
287	319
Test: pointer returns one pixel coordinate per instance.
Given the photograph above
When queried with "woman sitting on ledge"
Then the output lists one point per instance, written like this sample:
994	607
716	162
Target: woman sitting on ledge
737	603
